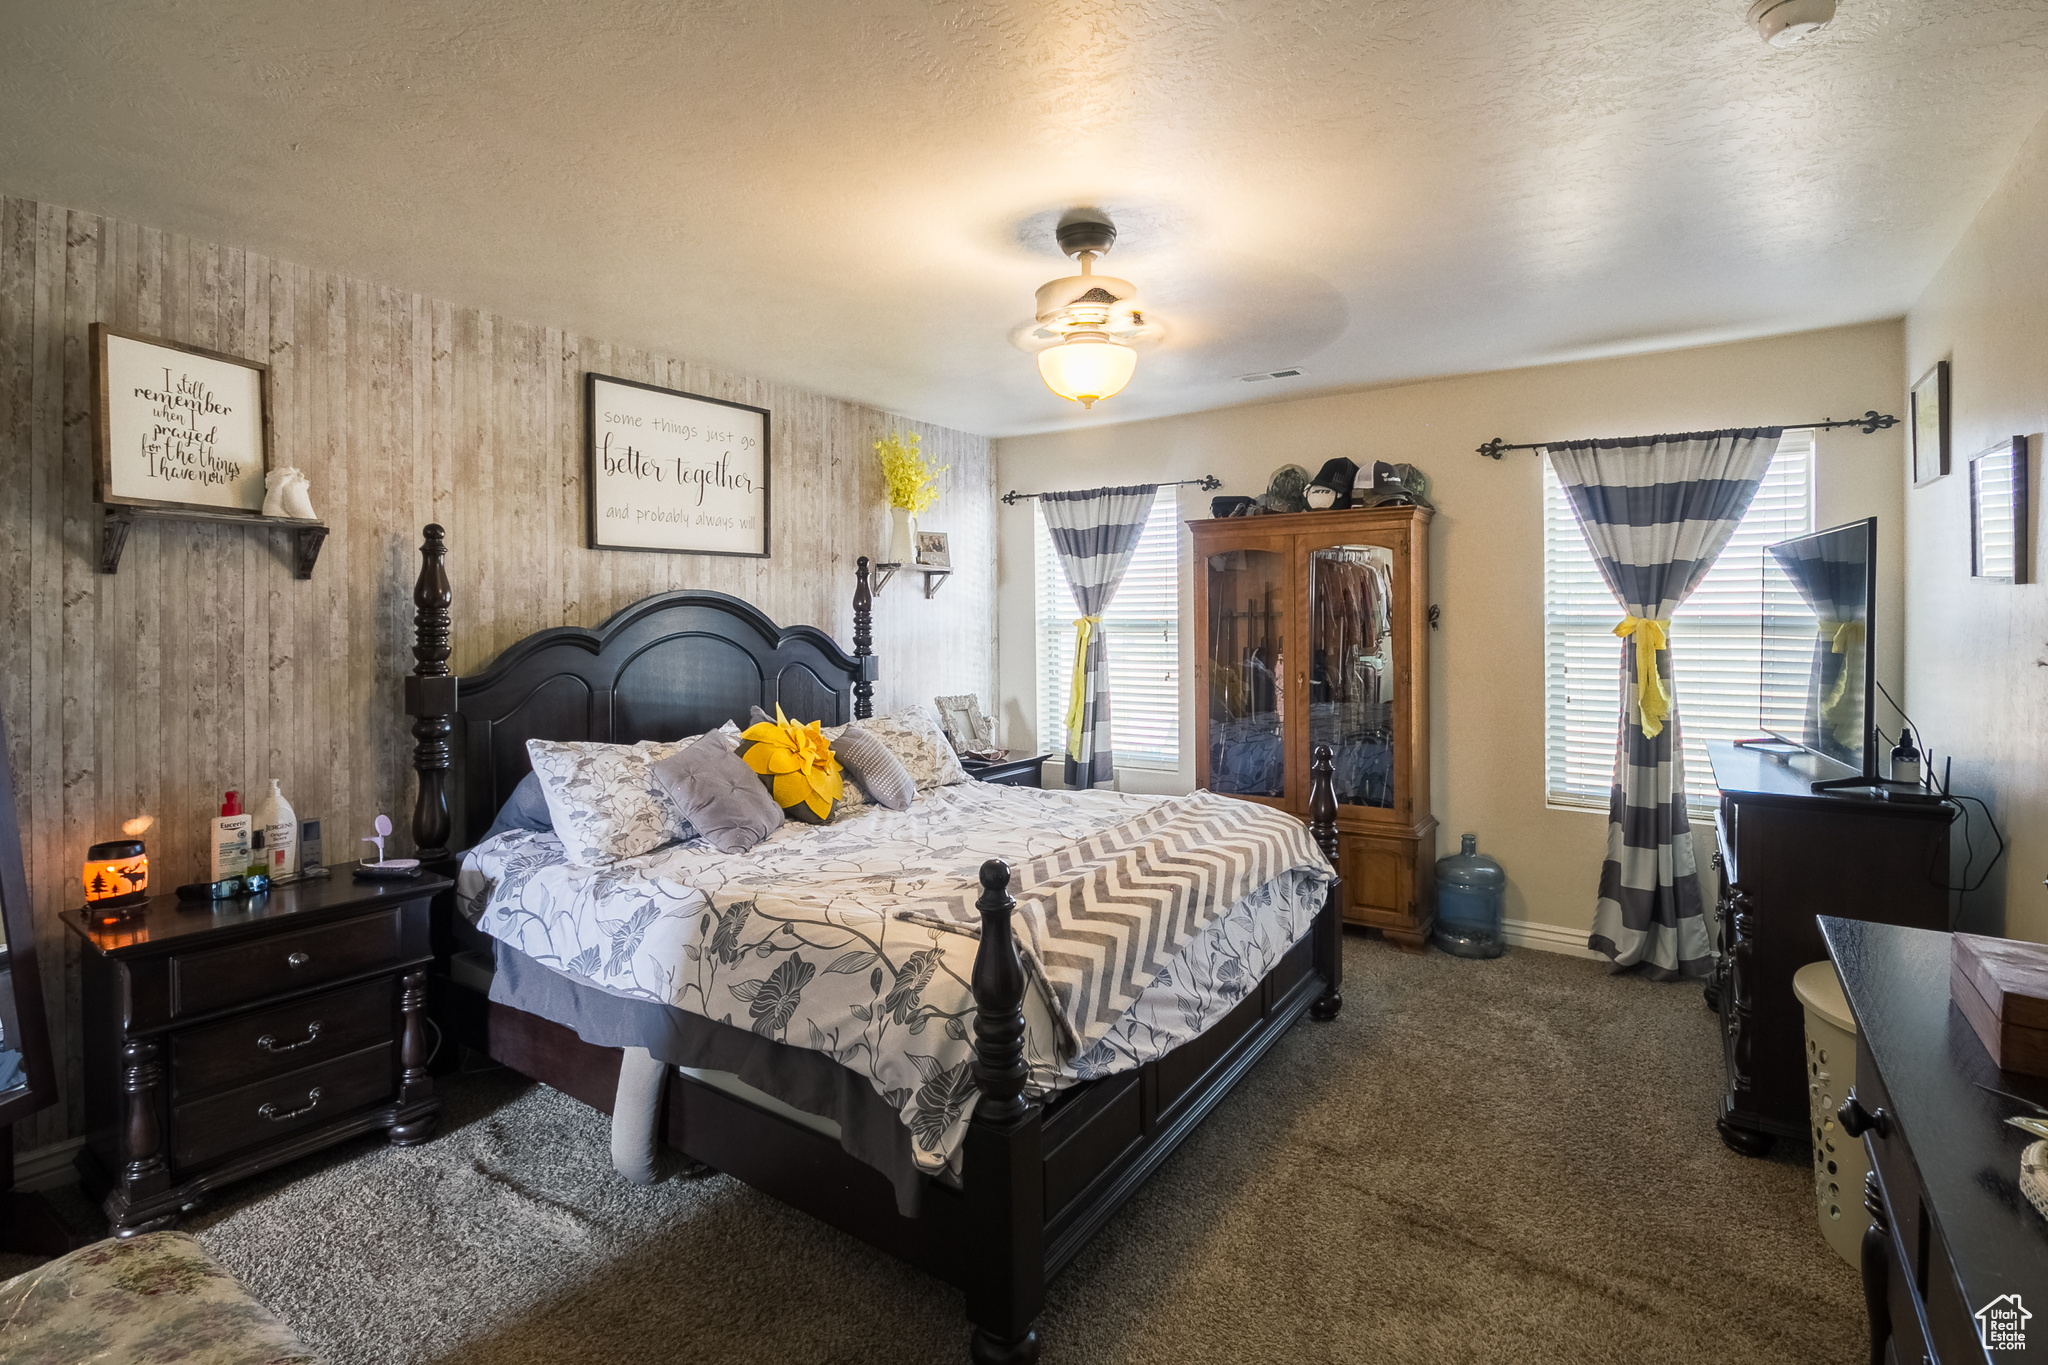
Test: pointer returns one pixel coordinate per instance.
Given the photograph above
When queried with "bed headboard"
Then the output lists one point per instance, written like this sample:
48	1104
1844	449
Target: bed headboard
677	663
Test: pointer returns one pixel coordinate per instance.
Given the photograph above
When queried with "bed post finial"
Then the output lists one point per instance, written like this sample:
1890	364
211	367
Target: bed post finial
863	642
1329	928
999	1068
430	699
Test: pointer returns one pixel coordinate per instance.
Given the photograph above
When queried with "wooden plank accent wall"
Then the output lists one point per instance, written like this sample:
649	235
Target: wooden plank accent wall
203	665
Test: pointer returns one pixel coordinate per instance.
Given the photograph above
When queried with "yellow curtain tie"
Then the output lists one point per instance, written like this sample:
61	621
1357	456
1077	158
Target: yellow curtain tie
1084	631
1653	701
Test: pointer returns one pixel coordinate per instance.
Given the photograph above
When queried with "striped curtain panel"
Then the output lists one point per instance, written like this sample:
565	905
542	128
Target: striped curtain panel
1656	512
1094	532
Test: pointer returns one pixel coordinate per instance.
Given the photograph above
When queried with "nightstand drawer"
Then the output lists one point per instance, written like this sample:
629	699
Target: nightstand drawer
201	982
1011	772
268	1110
273	1041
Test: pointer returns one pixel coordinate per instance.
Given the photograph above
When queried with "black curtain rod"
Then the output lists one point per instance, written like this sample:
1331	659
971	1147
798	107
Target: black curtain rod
1870	421
1208	481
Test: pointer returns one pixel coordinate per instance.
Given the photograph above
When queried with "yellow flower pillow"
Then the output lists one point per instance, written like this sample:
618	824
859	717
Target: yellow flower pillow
797	766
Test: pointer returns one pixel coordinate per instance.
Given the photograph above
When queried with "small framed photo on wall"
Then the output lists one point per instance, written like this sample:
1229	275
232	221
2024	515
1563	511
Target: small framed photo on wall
1928	432
1998	512
673	471
178	426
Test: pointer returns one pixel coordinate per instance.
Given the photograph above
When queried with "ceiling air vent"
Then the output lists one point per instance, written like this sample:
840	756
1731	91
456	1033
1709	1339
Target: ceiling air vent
1271	374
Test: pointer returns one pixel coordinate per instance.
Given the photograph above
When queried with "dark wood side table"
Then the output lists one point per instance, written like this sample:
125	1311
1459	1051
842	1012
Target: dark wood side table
223	1040
1011	772
1951	1233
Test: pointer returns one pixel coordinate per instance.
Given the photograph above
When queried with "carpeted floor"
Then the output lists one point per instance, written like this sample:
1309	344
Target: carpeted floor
1479	1161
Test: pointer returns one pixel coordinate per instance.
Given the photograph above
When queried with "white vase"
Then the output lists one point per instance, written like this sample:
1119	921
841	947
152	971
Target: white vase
902	536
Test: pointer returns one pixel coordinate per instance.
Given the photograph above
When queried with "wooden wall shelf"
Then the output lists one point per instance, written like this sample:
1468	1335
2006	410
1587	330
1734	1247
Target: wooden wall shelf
307	536
932	577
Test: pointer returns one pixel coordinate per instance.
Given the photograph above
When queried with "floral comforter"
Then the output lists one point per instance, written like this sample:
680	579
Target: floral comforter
799	939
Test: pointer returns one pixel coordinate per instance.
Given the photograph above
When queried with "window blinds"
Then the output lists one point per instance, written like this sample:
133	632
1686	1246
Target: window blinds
1142	631
1716	638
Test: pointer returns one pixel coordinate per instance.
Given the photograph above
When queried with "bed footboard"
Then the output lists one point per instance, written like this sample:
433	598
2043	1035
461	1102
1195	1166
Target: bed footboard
1033	1198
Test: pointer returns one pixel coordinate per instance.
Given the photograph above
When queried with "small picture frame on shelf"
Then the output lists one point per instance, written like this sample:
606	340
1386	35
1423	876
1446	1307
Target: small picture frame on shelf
932	552
1998	512
1928	431
178	426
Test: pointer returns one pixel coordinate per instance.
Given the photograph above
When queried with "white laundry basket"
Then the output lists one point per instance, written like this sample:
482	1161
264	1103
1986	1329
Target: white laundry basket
1839	1162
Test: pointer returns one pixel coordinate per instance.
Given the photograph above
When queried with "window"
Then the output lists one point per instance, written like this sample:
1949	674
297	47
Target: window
1716	638
1142	630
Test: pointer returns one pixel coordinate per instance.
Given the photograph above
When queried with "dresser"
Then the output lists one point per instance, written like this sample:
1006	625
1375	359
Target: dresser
1951	1235
1312	628
224	1039
1786	856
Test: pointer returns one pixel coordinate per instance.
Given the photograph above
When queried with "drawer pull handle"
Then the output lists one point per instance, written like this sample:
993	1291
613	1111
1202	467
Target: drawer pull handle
1856	1120
297	960
270	1044
271	1112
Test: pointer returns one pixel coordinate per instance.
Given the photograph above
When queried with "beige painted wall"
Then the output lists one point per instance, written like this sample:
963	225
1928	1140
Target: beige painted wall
203	665
1977	652
1486	553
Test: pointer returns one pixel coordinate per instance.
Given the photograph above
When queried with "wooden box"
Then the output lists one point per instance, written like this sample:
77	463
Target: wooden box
2001	986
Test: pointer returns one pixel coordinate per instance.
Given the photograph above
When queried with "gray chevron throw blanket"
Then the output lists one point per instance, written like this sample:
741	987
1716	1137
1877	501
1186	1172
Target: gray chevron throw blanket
1101	918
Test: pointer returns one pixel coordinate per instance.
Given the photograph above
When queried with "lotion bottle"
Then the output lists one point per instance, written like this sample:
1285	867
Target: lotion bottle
280	826
1906	760
230	839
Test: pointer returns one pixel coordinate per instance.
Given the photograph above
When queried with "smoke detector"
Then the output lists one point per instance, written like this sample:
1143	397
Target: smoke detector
1782	23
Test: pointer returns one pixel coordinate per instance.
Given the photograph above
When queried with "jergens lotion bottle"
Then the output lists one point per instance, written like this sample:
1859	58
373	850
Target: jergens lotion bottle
280	826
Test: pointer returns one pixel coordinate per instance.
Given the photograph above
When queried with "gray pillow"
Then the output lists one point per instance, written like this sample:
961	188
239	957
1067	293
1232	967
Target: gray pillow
879	772
718	794
526	808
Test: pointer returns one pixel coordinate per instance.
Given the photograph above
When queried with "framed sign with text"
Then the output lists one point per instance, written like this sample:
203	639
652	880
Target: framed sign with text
674	471
177	425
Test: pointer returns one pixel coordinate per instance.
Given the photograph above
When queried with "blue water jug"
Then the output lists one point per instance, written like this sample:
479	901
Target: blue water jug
1469	892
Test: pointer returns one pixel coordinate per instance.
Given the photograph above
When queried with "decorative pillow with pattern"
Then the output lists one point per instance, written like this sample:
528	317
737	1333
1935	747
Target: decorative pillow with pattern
603	800
914	736
874	767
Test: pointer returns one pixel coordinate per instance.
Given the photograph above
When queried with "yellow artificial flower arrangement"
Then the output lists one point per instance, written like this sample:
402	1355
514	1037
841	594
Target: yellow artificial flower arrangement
797	761
913	484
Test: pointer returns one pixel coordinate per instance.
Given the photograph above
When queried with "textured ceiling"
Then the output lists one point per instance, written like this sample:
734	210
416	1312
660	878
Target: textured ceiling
858	197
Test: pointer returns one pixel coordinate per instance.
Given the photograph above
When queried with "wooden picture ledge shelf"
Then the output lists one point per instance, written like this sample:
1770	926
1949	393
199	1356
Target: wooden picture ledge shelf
307	536
932	577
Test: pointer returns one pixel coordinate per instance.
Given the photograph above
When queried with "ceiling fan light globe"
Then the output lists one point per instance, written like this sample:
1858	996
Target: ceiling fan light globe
1087	368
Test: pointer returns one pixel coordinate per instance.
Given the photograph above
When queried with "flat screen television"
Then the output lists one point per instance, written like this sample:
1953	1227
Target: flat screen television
1819	599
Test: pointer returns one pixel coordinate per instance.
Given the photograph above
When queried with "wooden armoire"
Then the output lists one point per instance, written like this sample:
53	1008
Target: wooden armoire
1313	628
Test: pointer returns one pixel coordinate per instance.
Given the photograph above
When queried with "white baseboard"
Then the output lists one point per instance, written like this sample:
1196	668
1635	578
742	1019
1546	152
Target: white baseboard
47	1168
1548	938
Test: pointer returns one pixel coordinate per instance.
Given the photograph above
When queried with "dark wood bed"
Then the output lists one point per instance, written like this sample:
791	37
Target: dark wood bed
1038	1179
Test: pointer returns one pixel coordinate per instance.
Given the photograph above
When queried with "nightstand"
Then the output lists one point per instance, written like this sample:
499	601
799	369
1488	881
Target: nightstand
1011	772
223	1039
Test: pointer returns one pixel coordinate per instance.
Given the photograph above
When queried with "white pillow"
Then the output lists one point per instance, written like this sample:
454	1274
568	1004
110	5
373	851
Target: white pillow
603	800
919	744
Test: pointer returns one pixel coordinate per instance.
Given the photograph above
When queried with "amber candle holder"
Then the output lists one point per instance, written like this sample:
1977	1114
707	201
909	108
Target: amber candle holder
116	879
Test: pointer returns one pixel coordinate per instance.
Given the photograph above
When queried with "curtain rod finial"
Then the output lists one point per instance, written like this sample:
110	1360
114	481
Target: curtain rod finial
1492	449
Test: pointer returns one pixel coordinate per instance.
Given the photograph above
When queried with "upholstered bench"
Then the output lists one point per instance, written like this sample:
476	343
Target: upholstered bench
150	1300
